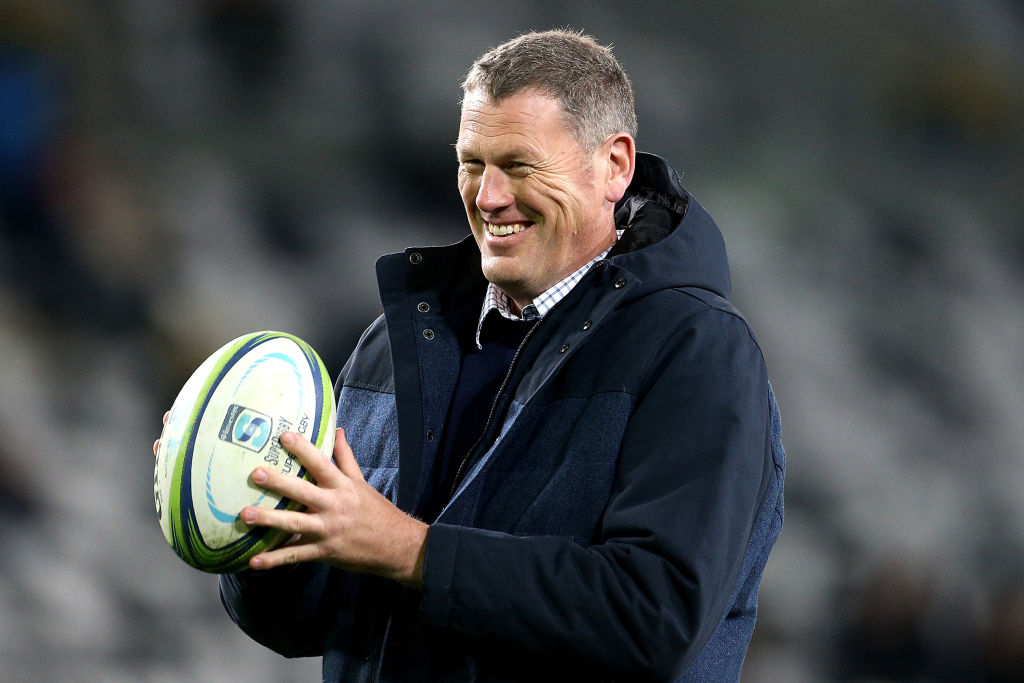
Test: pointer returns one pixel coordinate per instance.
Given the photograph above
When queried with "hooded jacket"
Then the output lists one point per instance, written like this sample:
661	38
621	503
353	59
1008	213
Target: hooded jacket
613	520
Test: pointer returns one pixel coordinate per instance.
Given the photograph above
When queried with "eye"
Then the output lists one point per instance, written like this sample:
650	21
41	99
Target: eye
518	168
473	166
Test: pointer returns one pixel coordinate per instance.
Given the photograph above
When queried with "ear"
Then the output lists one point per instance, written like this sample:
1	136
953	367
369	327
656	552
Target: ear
620	154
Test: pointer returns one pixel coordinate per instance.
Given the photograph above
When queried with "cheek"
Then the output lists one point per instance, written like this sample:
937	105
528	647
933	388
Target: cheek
571	219
465	188
468	191
553	197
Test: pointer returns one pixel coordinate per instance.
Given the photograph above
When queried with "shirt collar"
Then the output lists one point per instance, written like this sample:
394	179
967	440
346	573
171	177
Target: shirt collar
495	299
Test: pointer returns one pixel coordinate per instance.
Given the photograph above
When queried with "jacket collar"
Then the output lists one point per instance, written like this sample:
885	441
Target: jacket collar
670	240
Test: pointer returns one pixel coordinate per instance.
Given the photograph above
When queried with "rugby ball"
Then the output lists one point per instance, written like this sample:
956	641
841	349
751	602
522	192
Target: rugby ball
225	422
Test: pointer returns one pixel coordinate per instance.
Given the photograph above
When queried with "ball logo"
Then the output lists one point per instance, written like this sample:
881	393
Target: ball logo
246	427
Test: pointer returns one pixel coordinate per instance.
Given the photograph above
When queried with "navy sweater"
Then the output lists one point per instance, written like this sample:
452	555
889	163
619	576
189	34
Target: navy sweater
481	373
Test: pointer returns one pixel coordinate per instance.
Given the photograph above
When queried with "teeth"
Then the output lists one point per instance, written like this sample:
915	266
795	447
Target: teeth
502	230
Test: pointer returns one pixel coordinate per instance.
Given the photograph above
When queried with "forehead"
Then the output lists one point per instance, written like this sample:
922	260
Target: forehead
525	119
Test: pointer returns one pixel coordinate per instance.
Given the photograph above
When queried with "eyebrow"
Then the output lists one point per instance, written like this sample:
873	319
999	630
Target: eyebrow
514	153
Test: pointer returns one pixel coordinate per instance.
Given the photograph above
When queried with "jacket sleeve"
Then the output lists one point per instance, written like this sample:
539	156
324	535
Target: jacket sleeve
644	599
306	609
280	608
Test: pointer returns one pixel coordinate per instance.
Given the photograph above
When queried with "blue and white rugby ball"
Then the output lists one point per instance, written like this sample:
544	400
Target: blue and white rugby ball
225	422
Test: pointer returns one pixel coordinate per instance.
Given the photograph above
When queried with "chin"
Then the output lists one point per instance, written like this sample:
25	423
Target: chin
510	286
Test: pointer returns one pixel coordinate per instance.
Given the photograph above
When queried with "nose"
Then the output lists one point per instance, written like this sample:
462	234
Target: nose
495	191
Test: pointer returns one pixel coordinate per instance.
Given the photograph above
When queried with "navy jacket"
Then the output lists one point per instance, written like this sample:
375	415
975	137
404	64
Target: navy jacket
614	520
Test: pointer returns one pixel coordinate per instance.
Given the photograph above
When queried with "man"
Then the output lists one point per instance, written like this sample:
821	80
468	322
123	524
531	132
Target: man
570	447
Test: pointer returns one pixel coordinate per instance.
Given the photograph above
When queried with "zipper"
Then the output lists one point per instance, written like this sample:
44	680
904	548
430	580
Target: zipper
494	408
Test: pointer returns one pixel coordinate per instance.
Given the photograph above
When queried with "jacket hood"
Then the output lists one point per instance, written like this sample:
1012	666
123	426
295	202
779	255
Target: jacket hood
669	239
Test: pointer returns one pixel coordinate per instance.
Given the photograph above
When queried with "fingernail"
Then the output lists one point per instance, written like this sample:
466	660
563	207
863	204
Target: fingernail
256	563
287	438
248	516
259	476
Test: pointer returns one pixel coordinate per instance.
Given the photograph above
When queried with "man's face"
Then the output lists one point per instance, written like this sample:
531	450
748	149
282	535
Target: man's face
536	203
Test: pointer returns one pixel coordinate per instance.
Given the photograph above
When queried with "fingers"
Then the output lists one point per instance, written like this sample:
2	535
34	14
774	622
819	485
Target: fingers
156	444
343	456
320	467
289	486
286	520
292	552
285	555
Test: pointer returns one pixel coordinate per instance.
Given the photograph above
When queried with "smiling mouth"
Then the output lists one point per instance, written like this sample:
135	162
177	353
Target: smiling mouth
505	230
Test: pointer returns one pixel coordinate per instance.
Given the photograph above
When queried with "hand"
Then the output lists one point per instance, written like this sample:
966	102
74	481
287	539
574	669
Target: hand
346	523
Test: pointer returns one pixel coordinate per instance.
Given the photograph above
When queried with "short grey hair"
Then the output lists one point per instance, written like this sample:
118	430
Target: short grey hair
592	87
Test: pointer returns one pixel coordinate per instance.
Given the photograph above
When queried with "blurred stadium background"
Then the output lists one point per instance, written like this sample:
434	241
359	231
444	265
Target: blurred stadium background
173	174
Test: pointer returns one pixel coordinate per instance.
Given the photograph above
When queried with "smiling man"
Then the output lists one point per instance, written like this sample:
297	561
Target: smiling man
561	455
539	205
